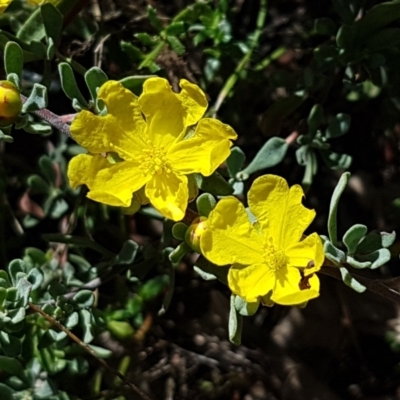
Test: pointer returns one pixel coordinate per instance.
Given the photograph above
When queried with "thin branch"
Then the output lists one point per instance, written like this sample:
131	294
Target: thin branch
87	348
375	286
53	119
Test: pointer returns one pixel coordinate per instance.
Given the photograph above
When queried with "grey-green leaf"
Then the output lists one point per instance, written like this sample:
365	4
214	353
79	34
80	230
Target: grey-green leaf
69	84
244	308
214	184
13	59
235	323
353	236
351	282
315	118
338	126
333	253
332	218
95	78
271	154
375	241
205	203
37	100
52	21
358	264
377	258
235	161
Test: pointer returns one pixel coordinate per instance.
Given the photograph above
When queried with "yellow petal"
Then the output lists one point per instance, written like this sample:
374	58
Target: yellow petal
287	290
205	150
168	193
122	130
83	168
3	5
111	184
230	238
168	113
307	253
251	282
279	210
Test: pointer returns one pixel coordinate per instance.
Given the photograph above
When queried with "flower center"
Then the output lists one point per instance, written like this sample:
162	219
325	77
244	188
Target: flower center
274	258
154	160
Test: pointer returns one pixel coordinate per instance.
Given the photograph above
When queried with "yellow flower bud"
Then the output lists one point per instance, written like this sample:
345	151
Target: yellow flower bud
10	103
194	232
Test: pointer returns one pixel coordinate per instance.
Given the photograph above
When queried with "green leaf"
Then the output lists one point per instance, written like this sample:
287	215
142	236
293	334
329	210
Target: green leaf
377	258
210	270
32	28
175	28
52	21
357	264
384	39
72	320
14	268
128	253
336	160
48	169
351	282
333	253
353	236
179	230
10	344
214	184
6	138
84	298
37	100
176	45
13	59
375	241
146	39
17	315
338	126
38	185
95	78
315	118
135	83
11	366
332	219
58	208
41	128
376	18
153	18
345	37
204	275
235	323
69	84
121	329
35	277
51	49
85	320
153	287
244	308
6	393
235	161
179	252
205	203
271	154
24	288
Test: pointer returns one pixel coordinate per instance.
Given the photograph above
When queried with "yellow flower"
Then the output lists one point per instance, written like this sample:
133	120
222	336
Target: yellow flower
151	135
269	258
3	5
10	103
